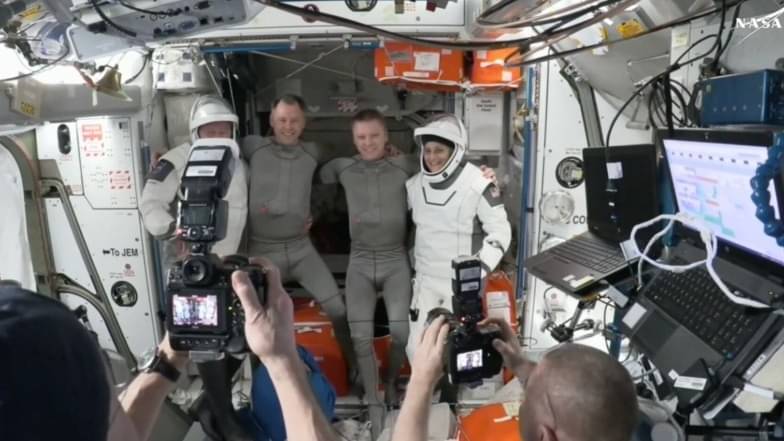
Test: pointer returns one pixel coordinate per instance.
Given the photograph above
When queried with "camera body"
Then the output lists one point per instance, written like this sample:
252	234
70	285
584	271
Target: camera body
471	355
203	315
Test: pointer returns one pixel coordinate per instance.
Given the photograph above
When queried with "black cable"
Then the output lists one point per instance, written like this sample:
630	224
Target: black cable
684	96
170	13
680	104
694	111
672	68
538	23
461	45
109	21
565	53
553	18
654	109
726	44
668	102
147	57
720	35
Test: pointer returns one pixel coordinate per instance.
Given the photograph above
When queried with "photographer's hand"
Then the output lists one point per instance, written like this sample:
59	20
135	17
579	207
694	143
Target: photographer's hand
428	364
509	348
426	369
178	359
269	329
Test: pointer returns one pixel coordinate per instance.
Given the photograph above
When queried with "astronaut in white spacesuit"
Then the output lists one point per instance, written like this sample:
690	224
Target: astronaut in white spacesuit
211	117
457	212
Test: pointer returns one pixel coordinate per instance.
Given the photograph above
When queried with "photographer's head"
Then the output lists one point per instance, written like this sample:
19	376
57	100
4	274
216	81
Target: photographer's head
578	393
212	117
53	383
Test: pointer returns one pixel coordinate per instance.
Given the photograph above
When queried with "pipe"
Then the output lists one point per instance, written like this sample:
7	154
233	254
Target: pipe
64	285
527	183
110	318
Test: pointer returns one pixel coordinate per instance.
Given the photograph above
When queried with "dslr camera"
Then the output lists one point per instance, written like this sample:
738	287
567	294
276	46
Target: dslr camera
471	355
203	315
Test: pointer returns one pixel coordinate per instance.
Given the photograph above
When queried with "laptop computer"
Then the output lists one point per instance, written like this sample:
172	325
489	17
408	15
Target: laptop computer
694	334
580	262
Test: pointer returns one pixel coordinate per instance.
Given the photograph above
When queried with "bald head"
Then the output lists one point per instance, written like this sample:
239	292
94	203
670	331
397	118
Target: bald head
579	393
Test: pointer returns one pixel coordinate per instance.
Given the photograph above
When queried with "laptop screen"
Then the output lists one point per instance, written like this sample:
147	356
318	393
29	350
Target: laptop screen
711	183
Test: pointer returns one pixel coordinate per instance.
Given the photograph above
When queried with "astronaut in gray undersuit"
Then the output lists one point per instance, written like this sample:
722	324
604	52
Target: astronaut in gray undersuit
376	195
281	171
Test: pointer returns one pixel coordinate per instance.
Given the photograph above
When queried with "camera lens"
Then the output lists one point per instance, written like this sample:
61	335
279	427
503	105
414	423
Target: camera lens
195	270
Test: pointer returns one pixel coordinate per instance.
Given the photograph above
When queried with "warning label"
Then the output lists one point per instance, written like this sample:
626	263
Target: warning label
119	180
92	132
92	139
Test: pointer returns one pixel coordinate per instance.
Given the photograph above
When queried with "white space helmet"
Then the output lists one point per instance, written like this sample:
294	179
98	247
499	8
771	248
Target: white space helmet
208	109
447	127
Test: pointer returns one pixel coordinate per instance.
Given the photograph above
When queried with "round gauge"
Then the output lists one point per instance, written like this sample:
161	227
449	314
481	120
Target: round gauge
569	172
124	294
556	207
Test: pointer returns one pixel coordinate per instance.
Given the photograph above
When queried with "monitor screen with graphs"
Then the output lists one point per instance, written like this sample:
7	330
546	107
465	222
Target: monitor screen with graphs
711	182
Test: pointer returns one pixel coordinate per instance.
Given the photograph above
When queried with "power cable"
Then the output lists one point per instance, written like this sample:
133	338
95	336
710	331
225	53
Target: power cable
672	68
553	17
520	60
457	45
147	57
109	21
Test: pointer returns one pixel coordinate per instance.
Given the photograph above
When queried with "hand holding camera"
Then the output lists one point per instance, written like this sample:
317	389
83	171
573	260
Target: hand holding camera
269	328
471	354
428	363
507	346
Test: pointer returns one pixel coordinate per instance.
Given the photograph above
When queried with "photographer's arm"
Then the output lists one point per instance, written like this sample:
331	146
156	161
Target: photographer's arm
302	414
426	369
143	398
270	333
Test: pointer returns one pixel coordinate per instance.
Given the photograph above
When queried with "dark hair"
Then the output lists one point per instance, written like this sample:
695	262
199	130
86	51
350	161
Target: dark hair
53	382
369	115
290	99
433	138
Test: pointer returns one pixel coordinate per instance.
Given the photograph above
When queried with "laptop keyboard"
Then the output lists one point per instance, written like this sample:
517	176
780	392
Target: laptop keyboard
695	301
590	253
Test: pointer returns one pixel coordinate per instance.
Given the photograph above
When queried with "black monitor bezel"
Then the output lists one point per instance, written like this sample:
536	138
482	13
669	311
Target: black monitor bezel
604	227
752	137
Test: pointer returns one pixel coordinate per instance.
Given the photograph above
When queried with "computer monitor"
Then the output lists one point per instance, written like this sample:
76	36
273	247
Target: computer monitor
710	172
636	193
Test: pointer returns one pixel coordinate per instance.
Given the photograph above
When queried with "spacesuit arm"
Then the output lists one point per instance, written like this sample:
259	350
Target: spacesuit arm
411	226
495	224
160	191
